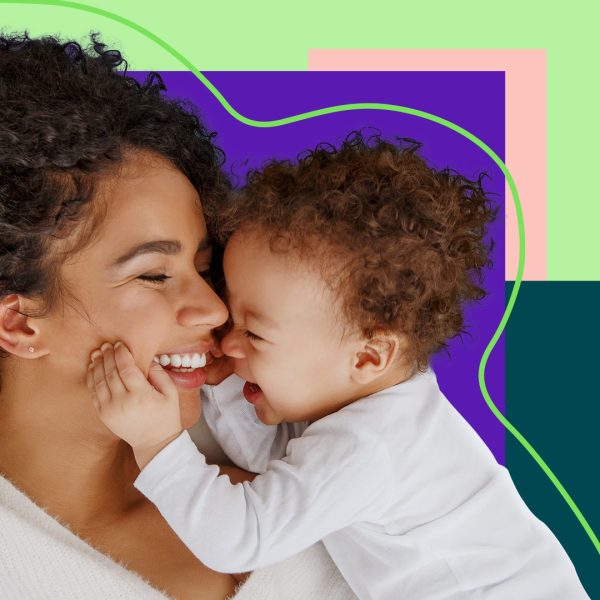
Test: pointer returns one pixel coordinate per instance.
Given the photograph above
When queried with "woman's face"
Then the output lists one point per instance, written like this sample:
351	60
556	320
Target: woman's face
141	280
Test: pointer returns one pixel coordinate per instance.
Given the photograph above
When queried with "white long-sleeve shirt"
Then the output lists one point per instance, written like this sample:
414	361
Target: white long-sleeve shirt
408	500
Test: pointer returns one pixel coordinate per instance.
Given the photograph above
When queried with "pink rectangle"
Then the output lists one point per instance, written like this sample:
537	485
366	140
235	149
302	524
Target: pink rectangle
525	125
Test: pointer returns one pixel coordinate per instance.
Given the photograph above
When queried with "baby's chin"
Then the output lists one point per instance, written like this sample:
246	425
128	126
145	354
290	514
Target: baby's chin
267	416
190	407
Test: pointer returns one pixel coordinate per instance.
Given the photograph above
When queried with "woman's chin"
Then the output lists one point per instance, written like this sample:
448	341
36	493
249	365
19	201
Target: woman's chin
190	407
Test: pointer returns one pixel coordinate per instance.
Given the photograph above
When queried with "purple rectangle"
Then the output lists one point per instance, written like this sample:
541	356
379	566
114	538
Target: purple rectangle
473	100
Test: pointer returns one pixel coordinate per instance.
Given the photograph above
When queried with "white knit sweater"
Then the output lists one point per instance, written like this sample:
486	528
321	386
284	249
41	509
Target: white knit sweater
42	560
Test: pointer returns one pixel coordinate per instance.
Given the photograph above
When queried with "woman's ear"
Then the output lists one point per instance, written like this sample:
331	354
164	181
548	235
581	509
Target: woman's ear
375	357
19	334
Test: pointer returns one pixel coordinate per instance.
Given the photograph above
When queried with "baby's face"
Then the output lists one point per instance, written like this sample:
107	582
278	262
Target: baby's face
286	340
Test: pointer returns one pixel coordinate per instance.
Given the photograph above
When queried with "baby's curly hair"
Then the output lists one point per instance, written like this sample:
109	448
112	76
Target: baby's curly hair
401	243
67	116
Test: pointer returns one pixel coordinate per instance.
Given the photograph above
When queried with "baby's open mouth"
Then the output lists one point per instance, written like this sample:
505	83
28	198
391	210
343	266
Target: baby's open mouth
183	363
252	392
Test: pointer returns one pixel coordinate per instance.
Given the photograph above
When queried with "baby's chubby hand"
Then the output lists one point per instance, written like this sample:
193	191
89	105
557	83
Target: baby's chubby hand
143	412
220	366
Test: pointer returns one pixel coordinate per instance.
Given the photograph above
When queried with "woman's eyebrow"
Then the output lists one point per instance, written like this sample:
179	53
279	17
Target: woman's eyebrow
169	247
154	247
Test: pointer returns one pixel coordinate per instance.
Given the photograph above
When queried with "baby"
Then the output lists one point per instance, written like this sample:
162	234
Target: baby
344	273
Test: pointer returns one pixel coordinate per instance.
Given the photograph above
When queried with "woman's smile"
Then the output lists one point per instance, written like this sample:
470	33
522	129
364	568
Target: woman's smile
186	367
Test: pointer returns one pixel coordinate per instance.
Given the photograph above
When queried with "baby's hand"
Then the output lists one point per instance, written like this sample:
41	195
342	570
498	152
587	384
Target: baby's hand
143	412
219	368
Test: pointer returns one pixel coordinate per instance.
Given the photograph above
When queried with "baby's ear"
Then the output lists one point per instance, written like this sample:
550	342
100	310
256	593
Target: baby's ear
375	357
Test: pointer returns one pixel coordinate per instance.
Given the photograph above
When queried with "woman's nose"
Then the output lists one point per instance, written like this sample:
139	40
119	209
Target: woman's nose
201	306
232	344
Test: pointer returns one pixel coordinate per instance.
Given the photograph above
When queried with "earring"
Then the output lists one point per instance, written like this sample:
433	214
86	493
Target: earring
31	349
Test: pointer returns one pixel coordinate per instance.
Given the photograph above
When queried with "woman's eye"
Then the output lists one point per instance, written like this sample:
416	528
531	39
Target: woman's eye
251	336
154	278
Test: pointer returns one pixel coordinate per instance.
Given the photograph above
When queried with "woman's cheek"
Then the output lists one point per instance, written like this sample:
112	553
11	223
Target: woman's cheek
145	340
145	347
190	407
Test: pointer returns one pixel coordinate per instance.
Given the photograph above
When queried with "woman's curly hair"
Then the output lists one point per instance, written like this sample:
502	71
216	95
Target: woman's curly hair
67	115
401	243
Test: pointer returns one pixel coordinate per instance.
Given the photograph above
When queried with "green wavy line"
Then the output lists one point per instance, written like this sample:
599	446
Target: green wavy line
393	108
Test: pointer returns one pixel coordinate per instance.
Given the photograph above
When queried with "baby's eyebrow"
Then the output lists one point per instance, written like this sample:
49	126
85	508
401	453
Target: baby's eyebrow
261	318
248	313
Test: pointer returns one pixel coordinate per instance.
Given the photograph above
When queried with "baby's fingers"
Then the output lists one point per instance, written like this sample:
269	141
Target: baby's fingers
111	372
162	382
131	375
97	379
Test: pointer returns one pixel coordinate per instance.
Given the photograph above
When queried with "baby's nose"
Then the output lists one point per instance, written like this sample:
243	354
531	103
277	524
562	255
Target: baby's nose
232	344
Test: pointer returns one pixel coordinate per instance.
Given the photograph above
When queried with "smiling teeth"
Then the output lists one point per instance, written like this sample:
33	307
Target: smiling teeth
194	361
198	361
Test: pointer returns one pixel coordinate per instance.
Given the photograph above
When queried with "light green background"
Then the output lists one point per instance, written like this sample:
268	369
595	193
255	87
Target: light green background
277	35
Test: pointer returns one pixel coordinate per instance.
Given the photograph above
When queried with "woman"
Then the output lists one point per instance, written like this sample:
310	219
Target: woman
102	236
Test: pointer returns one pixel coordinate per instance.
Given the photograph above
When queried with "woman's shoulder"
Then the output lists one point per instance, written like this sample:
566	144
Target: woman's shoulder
41	558
309	574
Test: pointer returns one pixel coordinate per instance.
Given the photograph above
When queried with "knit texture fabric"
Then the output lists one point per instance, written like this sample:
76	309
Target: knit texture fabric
40	559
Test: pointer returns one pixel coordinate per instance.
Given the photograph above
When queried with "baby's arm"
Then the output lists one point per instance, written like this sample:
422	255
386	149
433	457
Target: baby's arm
143	412
330	478
249	443
332	475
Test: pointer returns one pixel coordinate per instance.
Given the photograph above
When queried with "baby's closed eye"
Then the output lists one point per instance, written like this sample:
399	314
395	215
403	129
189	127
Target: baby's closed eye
252	336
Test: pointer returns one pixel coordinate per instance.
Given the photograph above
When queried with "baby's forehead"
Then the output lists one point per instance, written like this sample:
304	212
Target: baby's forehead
255	271
316	267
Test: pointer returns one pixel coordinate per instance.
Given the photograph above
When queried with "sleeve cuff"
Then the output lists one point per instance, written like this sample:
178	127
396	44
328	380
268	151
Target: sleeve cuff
180	451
